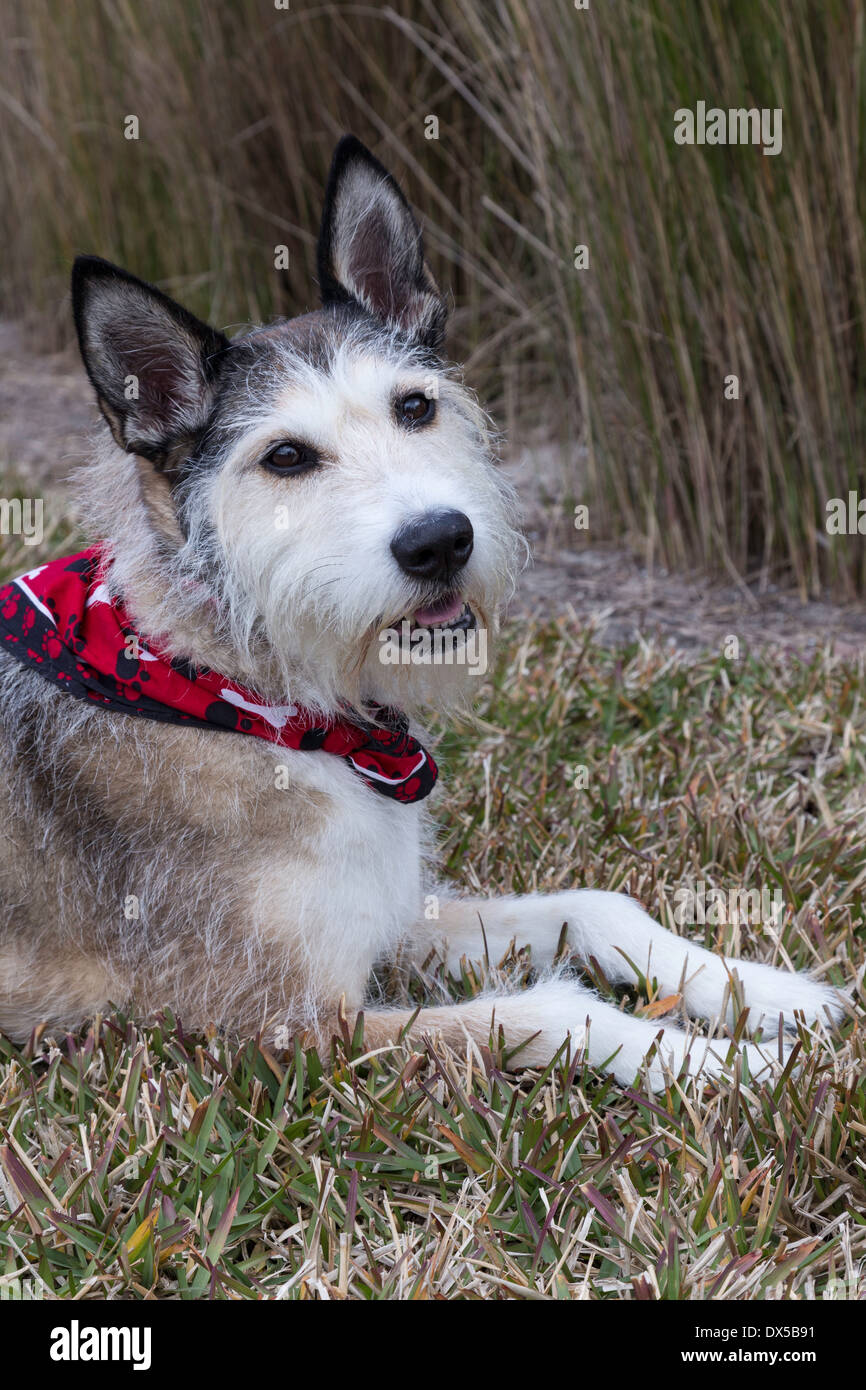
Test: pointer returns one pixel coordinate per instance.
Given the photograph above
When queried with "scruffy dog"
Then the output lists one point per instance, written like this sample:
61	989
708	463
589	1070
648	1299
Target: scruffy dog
213	799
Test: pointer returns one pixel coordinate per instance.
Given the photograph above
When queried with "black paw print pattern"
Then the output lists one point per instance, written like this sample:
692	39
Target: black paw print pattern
63	621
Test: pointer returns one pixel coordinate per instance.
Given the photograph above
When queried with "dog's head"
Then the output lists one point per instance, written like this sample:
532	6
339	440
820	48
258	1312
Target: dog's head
318	494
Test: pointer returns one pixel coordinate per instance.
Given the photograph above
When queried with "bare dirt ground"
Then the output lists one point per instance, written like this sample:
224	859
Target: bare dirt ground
623	598
46	414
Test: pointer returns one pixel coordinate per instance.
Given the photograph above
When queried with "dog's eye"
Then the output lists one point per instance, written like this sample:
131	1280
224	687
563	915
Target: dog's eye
287	459
415	409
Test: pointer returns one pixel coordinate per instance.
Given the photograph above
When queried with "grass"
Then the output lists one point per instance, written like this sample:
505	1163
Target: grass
555	130
139	1162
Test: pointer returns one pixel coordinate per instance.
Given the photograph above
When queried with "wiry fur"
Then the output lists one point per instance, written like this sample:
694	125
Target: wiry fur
274	605
166	866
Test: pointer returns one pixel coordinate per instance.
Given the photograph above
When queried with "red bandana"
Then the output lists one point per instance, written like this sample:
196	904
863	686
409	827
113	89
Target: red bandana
61	621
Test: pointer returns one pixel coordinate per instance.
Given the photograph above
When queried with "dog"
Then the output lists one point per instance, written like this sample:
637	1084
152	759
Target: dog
215	788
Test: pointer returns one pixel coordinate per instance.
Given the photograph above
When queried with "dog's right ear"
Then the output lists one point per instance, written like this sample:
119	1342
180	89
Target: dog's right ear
151	362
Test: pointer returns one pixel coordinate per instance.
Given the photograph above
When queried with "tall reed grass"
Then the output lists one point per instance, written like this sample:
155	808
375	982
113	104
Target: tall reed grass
555	130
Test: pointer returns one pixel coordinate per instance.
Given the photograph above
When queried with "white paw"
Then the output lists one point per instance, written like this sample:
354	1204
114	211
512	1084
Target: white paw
772	995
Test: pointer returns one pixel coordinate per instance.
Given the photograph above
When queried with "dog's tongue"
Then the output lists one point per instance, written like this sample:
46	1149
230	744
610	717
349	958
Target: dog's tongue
442	613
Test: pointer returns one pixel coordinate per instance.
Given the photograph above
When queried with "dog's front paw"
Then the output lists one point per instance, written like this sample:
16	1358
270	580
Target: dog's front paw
772	995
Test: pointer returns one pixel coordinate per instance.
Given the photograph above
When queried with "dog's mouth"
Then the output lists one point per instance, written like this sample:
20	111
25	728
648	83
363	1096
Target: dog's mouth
450	615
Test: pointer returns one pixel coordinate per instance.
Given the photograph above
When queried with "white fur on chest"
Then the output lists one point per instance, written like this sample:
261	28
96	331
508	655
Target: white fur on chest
350	900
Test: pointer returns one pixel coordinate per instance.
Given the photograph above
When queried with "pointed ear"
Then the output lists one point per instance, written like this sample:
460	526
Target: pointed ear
151	363
370	248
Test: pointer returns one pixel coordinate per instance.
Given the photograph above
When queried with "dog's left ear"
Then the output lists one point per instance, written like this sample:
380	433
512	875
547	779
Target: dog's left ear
371	251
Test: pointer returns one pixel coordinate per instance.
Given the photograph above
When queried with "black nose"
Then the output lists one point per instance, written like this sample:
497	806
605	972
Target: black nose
434	546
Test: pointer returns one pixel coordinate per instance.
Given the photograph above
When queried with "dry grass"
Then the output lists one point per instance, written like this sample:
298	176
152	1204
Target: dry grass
556	128
139	1162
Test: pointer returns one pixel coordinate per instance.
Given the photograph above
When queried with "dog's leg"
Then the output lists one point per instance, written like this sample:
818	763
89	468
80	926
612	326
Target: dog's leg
610	927
543	1016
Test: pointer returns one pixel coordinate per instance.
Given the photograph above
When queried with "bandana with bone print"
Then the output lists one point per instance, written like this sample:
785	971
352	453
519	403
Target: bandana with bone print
61	621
